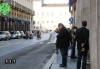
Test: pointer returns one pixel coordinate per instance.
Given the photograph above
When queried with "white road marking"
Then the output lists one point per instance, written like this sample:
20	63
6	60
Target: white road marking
32	43
41	42
26	43
9	43
17	43
1	43
49	42
6	45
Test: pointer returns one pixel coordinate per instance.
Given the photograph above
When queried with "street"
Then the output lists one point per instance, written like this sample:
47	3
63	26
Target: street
29	54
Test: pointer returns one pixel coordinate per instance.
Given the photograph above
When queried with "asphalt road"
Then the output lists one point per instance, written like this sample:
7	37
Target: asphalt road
29	56
16	44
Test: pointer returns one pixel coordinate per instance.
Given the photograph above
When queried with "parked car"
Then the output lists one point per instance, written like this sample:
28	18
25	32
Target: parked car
22	33
5	35
15	34
30	35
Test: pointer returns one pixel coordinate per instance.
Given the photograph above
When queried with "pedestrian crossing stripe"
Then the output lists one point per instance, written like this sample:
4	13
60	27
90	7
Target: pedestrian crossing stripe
41	42
49	42
26	43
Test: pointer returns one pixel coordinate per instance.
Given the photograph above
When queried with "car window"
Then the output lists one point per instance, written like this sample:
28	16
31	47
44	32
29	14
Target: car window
16	32
1	32
8	33
13	33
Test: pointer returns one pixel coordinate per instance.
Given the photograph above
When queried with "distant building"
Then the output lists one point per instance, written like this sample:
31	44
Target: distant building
48	15
20	17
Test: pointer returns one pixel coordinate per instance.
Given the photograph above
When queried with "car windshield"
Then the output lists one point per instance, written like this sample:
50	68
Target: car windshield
13	32
17	32
2	32
22	32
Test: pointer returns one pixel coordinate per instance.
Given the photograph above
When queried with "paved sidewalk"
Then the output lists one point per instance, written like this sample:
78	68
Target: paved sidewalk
71	64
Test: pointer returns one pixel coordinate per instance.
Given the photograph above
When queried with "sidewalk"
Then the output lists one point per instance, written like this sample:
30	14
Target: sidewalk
71	64
55	61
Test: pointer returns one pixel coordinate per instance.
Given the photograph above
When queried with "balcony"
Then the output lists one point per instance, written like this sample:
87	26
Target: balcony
29	11
13	3
8	1
17	5
26	9
23	8
33	12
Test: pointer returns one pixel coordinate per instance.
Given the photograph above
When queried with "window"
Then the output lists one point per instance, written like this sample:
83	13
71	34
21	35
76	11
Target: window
52	21
42	14
37	14
47	21
51	14
47	14
61	13
37	27
42	21
34	26
38	22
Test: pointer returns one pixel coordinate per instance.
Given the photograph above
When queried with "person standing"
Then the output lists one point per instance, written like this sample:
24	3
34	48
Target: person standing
82	37
73	43
63	43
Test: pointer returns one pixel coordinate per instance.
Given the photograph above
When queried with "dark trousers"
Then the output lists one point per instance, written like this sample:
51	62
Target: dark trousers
64	55
83	56
73	50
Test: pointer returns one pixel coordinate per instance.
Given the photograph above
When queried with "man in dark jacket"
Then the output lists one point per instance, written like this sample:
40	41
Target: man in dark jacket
82	37
63	43
73	43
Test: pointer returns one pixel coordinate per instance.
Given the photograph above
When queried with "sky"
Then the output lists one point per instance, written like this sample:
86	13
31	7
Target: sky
55	1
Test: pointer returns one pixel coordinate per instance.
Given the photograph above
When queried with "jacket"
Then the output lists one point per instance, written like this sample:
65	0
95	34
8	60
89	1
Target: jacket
63	38
82	36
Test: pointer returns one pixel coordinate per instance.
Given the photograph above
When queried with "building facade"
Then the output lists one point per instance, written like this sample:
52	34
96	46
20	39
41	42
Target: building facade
48	15
20	17
89	10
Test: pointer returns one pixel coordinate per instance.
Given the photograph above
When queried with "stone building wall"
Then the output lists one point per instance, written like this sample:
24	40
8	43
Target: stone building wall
89	10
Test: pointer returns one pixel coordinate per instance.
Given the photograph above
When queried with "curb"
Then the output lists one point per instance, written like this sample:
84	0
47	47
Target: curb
50	62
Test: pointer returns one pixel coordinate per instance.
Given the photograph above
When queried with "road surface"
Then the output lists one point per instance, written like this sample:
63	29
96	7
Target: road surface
29	54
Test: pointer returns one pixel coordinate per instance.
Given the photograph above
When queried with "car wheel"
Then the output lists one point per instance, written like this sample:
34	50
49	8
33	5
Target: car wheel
5	39
10	38
19	37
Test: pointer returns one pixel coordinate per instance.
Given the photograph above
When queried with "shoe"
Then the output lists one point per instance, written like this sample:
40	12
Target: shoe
61	65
